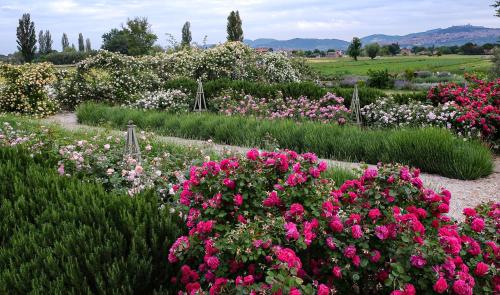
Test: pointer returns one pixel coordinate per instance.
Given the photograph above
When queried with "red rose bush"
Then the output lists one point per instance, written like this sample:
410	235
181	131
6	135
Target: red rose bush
270	223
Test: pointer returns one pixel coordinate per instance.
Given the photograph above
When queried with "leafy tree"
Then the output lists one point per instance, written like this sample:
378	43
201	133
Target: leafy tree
471	49
136	38
41	42
88	46
26	38
354	49
141	38
186	35
44	42
497	8
81	43
115	41
372	50
394	49
234	27
64	41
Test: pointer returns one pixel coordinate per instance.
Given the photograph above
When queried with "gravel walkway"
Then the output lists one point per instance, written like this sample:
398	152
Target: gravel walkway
465	193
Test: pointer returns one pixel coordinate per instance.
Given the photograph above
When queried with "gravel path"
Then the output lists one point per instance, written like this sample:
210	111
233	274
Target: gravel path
465	193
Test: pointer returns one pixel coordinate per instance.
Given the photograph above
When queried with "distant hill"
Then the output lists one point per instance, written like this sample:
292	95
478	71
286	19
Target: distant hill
299	43
456	35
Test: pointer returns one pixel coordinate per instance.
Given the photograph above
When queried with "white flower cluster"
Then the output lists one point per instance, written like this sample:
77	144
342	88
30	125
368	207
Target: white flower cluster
172	100
387	113
114	77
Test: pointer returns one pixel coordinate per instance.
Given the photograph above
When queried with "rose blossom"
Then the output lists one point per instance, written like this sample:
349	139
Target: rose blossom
350	251
460	287
440	286
356	231
323	289
238	200
477	224
382	232
418	261
481	269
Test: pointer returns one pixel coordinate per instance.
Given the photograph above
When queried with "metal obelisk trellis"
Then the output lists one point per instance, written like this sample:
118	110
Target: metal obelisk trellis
200	104
355	108
132	146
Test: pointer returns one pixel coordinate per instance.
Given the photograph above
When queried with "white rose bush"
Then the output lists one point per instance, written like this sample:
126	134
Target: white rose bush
172	100
116	78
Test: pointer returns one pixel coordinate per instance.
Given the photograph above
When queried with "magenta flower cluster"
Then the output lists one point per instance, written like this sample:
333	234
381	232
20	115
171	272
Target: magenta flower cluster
270	223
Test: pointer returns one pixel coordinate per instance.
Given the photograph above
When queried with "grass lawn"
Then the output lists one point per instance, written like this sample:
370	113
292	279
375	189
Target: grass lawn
457	64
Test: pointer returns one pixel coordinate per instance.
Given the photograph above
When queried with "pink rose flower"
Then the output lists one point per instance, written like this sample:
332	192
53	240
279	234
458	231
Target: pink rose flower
440	286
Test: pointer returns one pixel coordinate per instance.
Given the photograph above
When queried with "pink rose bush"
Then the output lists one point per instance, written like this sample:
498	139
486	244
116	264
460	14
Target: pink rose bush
281	228
477	106
100	158
329	108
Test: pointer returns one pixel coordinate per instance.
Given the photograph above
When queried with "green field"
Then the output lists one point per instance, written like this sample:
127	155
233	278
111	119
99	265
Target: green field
457	64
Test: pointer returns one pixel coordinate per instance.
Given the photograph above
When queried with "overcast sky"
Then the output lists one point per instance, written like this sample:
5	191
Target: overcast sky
280	19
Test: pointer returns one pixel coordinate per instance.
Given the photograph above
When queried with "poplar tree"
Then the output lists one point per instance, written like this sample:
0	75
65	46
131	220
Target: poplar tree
186	35
41	42
234	27
26	38
48	42
64	41
88	46
81	43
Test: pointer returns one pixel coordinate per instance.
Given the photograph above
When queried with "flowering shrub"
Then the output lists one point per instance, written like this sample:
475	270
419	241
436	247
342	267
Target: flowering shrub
27	89
276	66
100	158
478	105
269	223
387	113
329	108
108	76
172	100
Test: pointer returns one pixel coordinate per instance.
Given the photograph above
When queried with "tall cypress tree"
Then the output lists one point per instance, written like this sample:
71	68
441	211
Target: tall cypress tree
26	37
64	41
234	27
186	35
48	42
88	46
41	42
81	44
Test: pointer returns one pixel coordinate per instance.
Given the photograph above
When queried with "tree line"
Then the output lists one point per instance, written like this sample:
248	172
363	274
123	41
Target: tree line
134	38
373	50
27	41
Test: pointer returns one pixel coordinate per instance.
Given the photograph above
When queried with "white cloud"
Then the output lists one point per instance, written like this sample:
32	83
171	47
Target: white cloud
281	19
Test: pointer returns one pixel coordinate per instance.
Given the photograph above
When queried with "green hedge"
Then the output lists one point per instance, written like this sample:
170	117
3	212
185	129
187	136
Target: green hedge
432	150
59	235
213	88
405	98
65	58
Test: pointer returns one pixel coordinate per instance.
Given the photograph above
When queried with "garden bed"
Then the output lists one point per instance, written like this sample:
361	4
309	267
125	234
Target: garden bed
430	149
